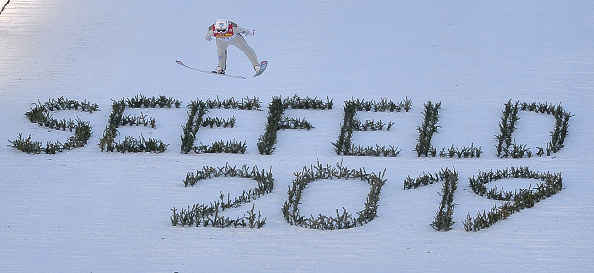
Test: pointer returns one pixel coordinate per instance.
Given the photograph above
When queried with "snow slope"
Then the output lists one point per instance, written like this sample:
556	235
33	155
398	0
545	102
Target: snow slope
85	210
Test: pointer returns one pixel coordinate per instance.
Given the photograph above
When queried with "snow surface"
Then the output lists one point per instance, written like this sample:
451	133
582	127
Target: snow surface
88	211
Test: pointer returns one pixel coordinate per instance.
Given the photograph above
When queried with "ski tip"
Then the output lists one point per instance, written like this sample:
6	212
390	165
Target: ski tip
179	62
263	65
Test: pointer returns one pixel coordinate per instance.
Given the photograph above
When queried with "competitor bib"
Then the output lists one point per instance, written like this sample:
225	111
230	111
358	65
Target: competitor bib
225	34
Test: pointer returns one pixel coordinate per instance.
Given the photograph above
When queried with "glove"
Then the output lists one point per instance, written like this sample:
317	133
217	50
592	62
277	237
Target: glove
250	32
208	38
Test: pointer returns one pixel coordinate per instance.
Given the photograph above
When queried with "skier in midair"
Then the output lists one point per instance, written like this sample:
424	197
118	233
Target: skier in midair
229	33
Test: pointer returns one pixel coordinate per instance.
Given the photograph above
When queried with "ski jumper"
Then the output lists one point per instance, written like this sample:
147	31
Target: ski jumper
231	37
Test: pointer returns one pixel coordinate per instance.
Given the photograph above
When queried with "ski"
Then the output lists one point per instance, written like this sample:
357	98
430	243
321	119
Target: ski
209	72
263	66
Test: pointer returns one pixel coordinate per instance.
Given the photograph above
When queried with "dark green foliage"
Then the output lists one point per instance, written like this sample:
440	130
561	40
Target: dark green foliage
384	105
344	146
267	141
276	120
377	151
342	220
64	104
197	119
444	218
219	122
41	115
506	146
27	145
465	152
427	129
513	201
294	123
449	179
245	104
143	120
559	133
230	147
208	215
371	125
134	145
423	180
307	103
116	119
107	142
140	101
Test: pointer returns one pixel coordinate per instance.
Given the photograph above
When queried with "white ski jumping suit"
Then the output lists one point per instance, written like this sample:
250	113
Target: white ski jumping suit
231	37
